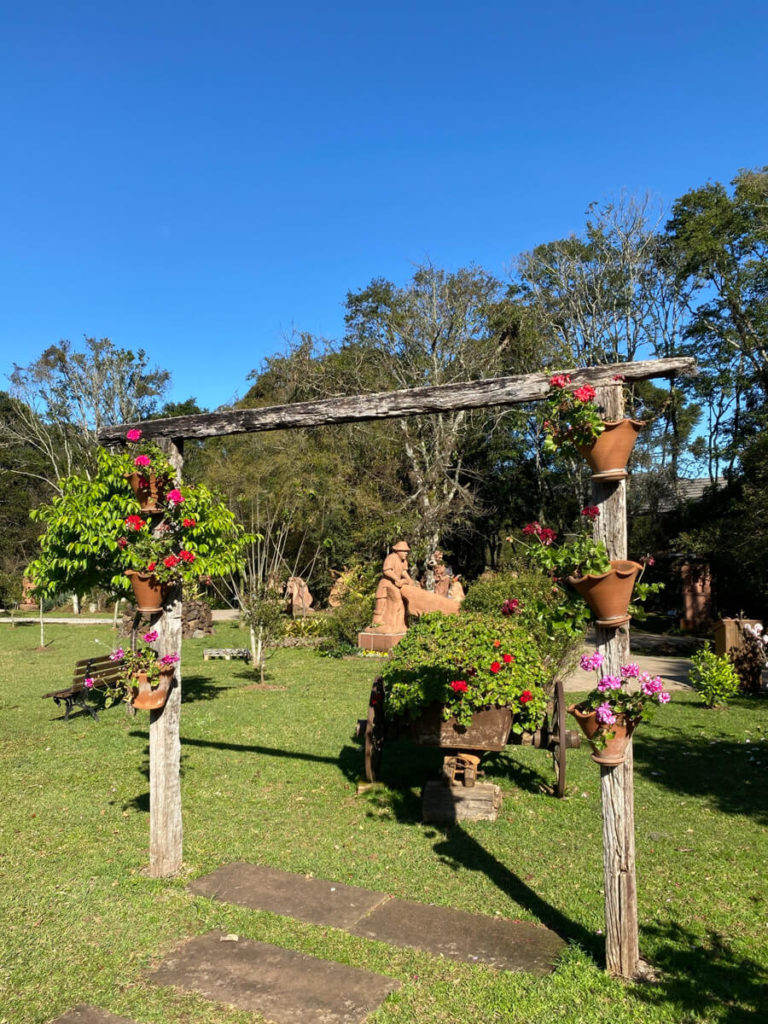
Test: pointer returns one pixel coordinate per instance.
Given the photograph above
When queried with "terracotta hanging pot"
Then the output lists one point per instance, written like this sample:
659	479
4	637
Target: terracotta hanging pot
609	594
145	696
149	490
615	749
609	453
148	591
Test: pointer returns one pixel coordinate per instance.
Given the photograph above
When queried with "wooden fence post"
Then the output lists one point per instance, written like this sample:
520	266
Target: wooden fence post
622	956
165	825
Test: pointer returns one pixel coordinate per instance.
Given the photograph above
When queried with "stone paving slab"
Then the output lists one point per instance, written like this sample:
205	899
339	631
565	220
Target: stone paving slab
307	899
285	986
473	938
90	1015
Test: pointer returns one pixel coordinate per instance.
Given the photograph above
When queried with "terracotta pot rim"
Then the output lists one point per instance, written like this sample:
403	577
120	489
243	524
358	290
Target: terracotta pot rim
625	419
614	570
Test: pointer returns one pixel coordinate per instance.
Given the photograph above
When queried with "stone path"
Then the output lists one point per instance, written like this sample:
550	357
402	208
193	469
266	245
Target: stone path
472	938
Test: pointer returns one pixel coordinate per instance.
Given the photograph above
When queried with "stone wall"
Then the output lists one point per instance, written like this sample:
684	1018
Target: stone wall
196	619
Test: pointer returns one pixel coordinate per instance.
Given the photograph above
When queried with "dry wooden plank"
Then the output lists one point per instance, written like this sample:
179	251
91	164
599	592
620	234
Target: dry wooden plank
496	391
441	803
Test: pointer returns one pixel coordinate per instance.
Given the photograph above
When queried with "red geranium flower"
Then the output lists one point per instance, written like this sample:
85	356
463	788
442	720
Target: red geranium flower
525	696
591	511
559	380
507	658
188	522
459	686
170	562
495	667
585	393
122	542
186	556
547	536
151	566
135	522
497	643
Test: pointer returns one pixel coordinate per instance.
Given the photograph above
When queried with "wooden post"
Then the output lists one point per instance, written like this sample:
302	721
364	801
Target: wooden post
622	954
165	826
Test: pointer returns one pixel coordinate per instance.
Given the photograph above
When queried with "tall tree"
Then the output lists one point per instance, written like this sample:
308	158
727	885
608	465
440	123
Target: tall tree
65	396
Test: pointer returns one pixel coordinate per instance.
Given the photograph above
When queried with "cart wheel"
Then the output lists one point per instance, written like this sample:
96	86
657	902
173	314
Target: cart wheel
557	737
374	731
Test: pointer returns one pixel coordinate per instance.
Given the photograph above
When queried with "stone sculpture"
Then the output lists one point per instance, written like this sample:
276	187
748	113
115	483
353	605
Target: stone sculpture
298	597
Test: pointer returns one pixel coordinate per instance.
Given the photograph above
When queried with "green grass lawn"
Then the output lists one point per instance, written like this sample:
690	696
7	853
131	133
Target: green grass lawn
269	777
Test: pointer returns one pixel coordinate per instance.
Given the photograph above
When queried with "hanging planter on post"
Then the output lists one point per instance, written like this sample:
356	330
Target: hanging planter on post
148	490
147	697
609	594
609	453
613	749
148	591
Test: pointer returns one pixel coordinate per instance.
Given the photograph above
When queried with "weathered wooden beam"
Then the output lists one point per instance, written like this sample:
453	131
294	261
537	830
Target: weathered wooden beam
478	394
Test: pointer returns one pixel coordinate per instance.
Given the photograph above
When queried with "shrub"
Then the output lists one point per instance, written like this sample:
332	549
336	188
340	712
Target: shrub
714	676
467	663
354	613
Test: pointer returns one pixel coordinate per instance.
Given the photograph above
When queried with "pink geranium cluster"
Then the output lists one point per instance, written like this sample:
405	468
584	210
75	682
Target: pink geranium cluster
631	693
545	535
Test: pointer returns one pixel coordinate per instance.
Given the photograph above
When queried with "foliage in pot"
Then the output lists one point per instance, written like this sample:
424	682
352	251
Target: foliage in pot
714	677
612	698
143	660
94	533
467	663
573	419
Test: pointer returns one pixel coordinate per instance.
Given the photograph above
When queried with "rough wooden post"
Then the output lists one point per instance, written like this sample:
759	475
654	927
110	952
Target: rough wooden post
622	954
165	826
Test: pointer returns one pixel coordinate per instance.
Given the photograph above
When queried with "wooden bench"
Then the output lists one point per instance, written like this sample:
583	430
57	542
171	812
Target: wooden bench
102	670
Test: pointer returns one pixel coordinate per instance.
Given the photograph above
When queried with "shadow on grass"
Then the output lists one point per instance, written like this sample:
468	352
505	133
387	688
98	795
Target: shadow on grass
194	688
348	761
719	770
705	975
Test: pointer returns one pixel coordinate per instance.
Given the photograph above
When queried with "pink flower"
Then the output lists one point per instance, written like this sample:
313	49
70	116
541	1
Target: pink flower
547	536
495	667
631	671
459	686
559	380
169	659
174	497
585	393
507	658
88	683
512	607
651	686
591	511
142	460
117	655
149	638
133	435
591	662
663	698
609	683
525	696
605	715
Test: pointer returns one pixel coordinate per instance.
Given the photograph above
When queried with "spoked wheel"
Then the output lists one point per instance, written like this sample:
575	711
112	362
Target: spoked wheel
374	731
558	736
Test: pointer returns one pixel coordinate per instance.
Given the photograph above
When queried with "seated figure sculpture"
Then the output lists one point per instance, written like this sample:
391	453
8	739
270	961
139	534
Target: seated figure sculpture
399	597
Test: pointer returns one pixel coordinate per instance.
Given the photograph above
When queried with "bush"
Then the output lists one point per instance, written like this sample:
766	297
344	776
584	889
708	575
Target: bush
714	676
467	663
354	613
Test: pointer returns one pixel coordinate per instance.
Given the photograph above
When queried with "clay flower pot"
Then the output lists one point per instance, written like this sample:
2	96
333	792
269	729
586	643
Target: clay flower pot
148	490
609	453
609	594
148	698
615	749
148	591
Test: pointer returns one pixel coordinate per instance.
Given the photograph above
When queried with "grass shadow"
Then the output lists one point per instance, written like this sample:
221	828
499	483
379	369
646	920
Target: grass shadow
194	688
700	974
721	770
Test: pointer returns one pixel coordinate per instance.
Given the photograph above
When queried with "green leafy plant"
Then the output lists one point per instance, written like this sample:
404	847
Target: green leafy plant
578	555
611	697
353	613
94	533
143	659
467	663
143	456
714	676
573	418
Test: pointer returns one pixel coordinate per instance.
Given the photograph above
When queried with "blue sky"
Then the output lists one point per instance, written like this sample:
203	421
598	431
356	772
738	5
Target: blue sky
198	179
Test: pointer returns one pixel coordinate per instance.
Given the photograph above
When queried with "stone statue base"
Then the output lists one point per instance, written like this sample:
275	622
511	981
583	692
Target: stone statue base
376	640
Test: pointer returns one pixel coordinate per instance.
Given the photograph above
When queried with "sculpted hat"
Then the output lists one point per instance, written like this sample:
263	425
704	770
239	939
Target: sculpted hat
402	545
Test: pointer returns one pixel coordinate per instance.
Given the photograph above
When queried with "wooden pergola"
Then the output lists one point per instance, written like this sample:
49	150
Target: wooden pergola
617	788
